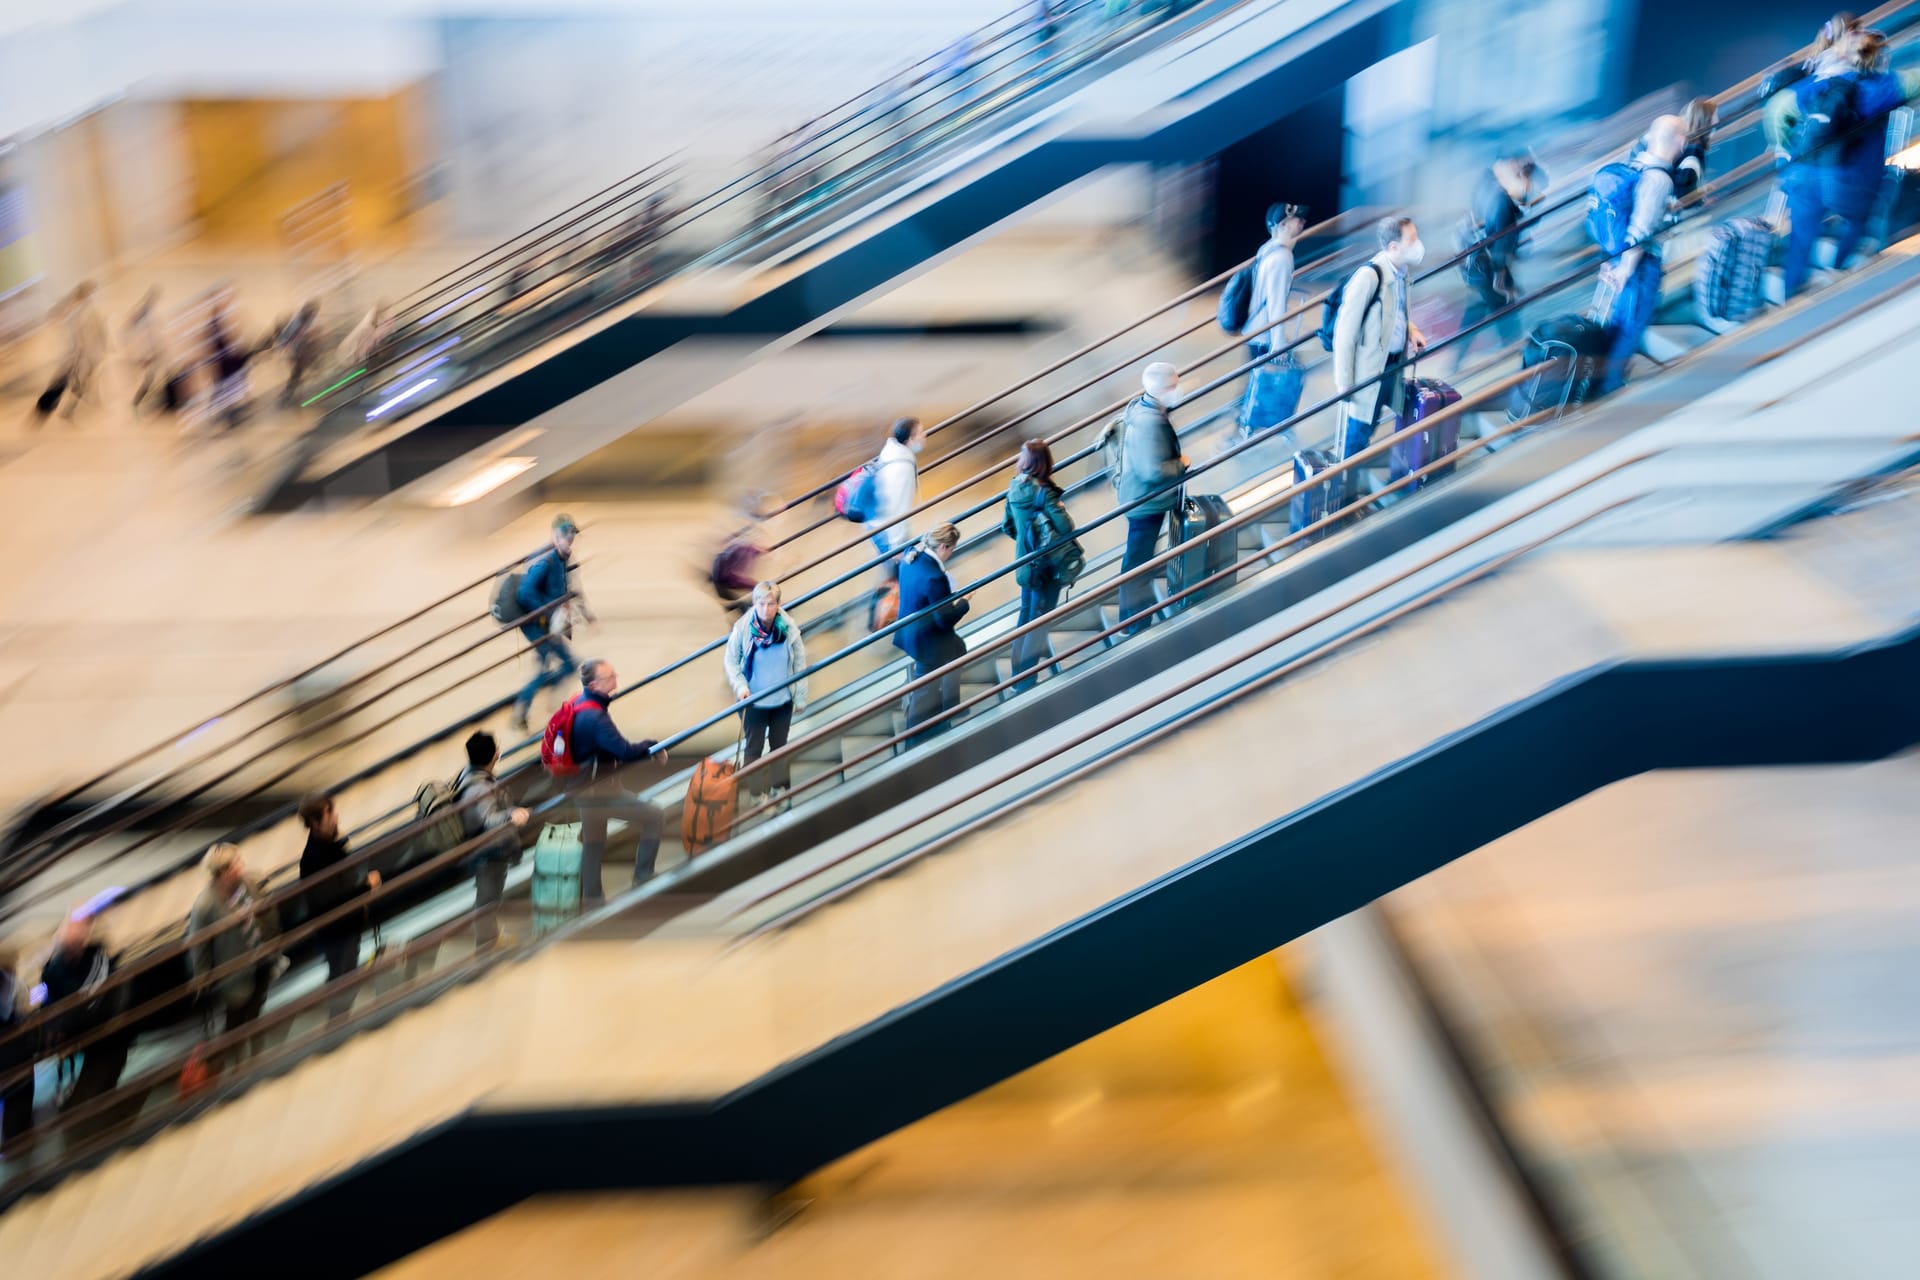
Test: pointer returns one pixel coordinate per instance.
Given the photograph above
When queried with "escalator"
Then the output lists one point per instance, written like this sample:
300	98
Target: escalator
1206	77
852	747
1726	479
1273	783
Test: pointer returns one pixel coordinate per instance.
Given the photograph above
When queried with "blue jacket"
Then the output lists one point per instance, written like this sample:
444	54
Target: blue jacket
929	641
597	744
544	584
1862	161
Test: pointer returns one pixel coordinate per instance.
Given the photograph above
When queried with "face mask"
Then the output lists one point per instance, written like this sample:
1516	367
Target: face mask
1412	255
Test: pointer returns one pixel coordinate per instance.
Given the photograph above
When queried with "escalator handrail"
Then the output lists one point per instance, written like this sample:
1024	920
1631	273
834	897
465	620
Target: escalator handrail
761	175
159	1076
1150	737
1287	668
1259	682
676	739
360	859
1530	221
433	289
1218	382
172	950
285	683
1572	278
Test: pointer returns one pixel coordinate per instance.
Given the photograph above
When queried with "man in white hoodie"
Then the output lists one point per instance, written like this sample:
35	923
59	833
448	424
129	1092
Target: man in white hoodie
896	486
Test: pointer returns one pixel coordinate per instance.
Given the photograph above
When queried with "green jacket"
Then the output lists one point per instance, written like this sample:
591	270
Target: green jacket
1026	503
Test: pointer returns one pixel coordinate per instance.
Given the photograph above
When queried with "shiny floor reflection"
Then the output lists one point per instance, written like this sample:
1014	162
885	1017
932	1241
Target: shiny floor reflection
1205	1139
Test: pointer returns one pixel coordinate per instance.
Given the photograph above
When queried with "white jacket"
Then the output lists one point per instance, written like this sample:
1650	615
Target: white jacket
1361	331
1272	282
896	491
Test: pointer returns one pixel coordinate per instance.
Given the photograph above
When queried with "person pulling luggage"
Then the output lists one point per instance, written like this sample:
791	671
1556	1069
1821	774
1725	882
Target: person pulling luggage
1627	205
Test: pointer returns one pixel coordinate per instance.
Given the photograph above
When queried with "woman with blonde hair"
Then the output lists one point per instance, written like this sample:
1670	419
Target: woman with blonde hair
764	652
931	613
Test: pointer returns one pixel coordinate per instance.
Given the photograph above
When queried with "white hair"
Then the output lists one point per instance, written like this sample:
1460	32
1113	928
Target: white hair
220	859
761	590
1160	378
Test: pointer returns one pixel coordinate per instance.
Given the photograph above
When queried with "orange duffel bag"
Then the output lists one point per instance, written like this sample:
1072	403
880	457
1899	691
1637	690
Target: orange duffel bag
712	799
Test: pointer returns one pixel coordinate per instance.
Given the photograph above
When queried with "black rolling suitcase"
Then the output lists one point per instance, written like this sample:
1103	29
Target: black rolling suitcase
1199	513
1568	355
1312	505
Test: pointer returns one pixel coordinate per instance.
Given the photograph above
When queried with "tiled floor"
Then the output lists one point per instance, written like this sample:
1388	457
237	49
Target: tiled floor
1695	995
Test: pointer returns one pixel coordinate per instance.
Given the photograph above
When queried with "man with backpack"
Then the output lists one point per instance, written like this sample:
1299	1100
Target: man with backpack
1832	128
583	745
1627	203
1373	334
1511	184
1274	387
485	807
542	591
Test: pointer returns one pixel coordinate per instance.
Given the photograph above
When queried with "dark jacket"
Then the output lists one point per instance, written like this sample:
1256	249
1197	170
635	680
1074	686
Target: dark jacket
543	585
66	975
1495	211
929	641
1027	504
1151	468
336	890
598	746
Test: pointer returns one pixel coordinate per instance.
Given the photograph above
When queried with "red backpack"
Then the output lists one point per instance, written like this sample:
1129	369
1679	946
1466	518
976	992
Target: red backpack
556	747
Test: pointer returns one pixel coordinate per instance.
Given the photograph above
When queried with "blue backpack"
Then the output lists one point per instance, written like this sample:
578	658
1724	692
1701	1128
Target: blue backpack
1610	206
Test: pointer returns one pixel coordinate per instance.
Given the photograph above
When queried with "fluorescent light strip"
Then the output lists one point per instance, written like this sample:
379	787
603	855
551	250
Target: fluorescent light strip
484	481
408	394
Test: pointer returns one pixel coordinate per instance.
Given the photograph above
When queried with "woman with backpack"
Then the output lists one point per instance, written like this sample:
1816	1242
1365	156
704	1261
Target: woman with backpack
1036	519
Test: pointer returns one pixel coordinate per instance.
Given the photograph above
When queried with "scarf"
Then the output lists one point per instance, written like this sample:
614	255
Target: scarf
759	638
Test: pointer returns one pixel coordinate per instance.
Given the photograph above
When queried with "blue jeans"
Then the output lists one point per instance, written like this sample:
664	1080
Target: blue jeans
1632	313
1143	535
553	662
1029	651
1810	202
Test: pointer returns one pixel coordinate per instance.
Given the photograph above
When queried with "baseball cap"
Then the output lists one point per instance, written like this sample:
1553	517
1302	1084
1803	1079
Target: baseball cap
563	523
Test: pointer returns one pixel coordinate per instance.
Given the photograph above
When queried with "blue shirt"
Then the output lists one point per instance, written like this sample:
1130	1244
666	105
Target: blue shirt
771	667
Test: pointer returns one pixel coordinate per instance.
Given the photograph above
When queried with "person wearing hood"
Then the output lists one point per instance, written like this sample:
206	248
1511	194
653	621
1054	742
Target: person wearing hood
764	652
1036	518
